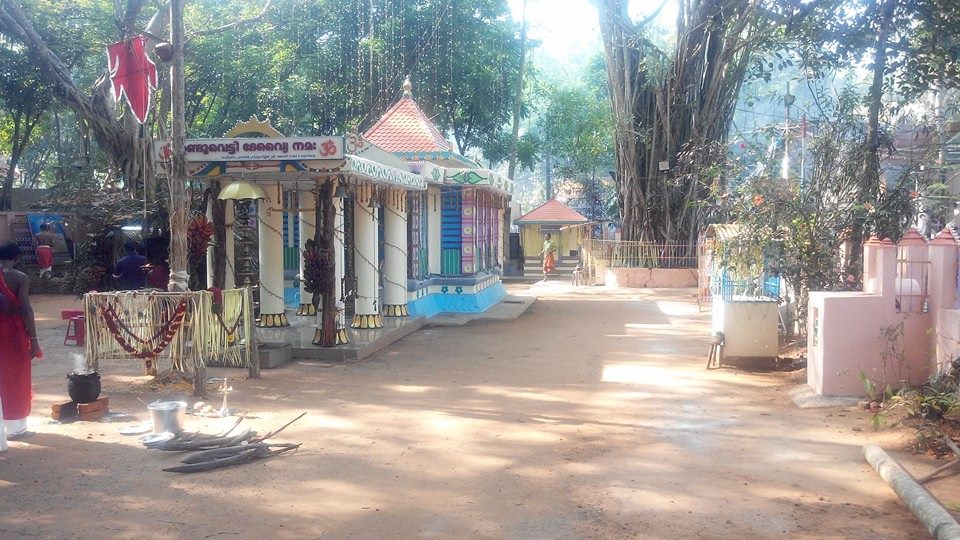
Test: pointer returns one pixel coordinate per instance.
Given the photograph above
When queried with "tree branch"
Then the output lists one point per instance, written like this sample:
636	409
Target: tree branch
236	24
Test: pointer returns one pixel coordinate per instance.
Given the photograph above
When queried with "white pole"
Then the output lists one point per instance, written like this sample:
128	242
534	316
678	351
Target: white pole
395	254
433	229
270	218
307	230
366	260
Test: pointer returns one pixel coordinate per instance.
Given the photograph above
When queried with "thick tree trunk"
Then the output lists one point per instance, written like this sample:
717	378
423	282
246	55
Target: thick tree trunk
671	115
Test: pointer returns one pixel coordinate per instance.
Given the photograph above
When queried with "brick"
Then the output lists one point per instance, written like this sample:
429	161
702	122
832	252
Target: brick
67	409
99	404
94	415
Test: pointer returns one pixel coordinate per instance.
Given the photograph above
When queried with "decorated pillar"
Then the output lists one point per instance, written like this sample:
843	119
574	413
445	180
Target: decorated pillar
270	230
229	278
501	226
395	254
433	229
367	257
307	231
468	254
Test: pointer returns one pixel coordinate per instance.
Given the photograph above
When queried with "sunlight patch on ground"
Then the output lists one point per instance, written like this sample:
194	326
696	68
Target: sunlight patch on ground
677	309
641	374
407	388
518	394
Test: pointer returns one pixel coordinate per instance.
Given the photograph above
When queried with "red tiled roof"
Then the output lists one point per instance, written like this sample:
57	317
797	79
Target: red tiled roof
405	128
552	211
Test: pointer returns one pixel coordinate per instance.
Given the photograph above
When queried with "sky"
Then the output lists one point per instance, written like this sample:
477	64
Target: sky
569	30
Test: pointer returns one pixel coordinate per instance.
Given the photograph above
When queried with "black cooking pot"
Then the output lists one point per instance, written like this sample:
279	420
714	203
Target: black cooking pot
83	387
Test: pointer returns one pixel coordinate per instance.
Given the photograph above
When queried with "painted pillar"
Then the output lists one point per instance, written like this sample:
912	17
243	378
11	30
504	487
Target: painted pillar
270	232
395	254
501	226
229	278
307	229
433	229
366	258
468	253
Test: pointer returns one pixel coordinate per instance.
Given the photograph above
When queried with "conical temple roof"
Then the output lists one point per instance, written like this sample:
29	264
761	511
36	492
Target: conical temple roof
552	211
405	128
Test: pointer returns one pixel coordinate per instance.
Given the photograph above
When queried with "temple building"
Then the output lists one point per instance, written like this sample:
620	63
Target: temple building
418	228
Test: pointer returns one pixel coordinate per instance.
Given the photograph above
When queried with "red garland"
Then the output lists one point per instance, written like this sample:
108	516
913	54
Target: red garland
168	330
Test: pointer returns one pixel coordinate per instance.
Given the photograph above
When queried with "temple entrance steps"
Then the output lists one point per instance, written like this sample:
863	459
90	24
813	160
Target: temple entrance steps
565	267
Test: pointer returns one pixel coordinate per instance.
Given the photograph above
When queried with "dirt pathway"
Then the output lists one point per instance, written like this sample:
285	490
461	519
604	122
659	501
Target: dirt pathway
590	416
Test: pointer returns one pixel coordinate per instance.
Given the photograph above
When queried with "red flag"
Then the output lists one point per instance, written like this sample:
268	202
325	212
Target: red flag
132	74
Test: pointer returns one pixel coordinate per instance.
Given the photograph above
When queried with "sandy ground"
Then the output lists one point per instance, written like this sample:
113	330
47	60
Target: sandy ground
590	416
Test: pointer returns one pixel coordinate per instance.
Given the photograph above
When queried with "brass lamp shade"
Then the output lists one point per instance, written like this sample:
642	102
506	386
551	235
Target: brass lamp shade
240	190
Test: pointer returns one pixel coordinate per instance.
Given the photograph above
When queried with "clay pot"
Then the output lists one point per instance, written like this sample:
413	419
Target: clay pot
83	387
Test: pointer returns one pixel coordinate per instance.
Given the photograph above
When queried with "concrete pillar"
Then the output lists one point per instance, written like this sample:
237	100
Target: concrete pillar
340	265
870	276
395	254
210	252
229	278
501	227
270	231
886	269
433	229
307	230
943	272
366	259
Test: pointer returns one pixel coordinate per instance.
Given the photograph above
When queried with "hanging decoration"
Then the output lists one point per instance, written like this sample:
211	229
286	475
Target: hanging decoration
146	349
133	75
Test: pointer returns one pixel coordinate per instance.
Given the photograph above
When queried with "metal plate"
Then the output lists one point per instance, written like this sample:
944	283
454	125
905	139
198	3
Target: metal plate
136	429
154	438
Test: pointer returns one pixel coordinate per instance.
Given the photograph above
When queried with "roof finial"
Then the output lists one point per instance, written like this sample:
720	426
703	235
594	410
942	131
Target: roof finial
407	87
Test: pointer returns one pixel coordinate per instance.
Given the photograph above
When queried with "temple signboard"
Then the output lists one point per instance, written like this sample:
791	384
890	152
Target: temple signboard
257	149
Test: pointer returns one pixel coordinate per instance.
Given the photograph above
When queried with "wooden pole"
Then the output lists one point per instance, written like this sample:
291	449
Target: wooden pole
179	196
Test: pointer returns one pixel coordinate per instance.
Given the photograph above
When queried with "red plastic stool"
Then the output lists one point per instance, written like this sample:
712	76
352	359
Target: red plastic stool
75	330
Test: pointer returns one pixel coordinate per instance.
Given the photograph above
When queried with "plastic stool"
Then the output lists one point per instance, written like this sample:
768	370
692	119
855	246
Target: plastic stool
75	330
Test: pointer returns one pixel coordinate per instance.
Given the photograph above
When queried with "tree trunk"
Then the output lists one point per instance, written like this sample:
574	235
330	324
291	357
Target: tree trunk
671	115
870	176
179	196
128	152
324	237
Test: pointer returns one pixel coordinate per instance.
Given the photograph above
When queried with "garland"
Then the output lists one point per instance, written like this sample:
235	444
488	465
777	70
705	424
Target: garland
216	306
168	331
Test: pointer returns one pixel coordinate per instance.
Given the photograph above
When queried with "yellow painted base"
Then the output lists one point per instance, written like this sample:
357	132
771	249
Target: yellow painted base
272	320
396	310
307	309
366	322
341	337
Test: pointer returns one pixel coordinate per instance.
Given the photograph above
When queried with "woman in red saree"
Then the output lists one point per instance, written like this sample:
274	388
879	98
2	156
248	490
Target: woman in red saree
18	343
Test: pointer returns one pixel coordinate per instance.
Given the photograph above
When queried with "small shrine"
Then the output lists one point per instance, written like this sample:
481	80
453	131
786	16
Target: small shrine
556	219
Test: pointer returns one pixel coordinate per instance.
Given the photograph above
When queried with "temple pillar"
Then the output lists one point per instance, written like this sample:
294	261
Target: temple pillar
270	231
395	254
307	231
367	257
211	253
501	226
433	229
339	269
229	278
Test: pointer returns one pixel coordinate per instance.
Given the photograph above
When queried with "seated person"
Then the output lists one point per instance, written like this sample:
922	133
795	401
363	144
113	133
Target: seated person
129	269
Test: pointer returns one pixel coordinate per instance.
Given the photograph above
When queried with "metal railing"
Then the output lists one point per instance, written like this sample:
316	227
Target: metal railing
600	254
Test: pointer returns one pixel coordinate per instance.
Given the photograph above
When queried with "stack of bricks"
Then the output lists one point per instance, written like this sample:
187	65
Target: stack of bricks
87	412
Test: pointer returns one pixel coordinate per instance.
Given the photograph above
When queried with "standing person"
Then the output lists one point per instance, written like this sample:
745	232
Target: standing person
129	269
549	255
18	343
44	240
